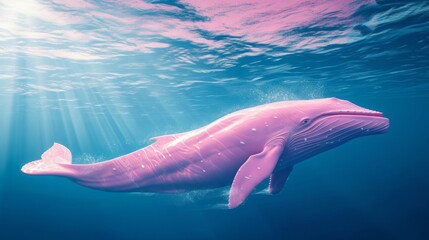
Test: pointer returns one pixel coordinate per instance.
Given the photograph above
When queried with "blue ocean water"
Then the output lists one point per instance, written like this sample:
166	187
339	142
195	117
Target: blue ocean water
102	77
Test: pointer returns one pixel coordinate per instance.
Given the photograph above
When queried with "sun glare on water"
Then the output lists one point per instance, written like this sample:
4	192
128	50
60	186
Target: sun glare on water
14	11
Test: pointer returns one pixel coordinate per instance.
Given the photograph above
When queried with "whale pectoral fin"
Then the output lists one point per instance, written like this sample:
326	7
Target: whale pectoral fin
278	179
257	168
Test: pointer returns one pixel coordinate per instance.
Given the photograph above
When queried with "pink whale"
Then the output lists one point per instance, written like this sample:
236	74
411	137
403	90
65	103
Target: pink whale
240	149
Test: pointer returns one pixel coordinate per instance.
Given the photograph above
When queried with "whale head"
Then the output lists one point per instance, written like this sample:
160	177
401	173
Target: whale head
323	124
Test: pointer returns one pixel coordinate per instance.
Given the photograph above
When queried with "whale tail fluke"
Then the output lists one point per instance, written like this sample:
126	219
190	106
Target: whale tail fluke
54	162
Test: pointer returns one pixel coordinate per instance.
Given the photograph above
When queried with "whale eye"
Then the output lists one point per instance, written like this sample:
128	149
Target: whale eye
305	121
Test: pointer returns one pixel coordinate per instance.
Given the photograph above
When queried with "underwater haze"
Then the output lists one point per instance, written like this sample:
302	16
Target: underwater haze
103	77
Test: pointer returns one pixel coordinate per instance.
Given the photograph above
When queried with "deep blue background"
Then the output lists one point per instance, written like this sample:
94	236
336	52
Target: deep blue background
370	188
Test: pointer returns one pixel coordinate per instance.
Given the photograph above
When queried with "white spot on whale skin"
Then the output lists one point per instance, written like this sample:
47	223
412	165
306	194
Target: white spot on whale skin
305	139
204	170
138	154
254	129
276	117
143	166
219	153
202	160
114	169
243	143
247	177
211	136
259	168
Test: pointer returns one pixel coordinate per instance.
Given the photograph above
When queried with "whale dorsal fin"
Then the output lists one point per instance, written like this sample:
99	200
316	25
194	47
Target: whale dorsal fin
257	168
278	179
166	138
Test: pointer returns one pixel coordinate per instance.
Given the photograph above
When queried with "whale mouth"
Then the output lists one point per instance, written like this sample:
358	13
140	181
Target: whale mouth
380	123
358	113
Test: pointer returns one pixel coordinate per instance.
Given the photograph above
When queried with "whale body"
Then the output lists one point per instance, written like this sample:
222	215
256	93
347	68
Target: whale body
241	149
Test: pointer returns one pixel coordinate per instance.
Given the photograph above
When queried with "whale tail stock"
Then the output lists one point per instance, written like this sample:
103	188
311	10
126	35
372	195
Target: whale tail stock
55	161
